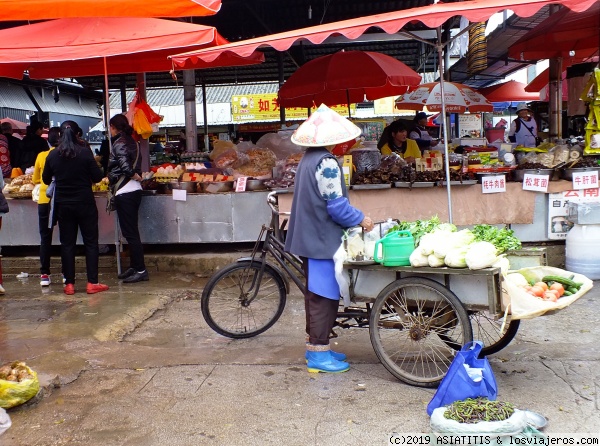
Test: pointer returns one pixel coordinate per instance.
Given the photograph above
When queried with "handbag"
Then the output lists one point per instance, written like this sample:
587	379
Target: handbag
460	383
50	188
111	194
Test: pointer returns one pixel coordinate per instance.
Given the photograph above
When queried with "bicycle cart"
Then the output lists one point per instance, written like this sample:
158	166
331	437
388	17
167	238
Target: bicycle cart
415	318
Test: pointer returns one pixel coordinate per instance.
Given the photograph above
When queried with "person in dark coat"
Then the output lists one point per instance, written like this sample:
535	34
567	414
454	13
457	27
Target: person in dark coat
124	176
14	143
32	145
74	169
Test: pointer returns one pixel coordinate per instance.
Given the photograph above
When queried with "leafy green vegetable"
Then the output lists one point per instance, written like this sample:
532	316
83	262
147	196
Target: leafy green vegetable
503	239
417	228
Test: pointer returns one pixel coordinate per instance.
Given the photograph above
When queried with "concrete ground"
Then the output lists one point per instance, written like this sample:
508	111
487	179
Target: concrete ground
137	365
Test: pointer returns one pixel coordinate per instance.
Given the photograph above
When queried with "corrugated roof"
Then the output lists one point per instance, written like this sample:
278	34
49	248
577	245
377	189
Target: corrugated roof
68	104
14	96
214	94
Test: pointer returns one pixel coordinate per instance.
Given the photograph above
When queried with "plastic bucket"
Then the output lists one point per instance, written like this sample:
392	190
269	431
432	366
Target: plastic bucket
582	251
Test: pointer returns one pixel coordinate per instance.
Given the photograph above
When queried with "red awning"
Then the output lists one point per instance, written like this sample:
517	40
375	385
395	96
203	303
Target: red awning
542	79
77	47
391	22
508	92
559	34
59	9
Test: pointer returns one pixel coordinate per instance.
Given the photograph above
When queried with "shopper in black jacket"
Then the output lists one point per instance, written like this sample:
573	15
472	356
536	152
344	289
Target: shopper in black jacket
124	170
74	169
32	145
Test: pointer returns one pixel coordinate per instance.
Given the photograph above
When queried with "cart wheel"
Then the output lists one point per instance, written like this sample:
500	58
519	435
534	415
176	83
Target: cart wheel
487	330
225	300
407	322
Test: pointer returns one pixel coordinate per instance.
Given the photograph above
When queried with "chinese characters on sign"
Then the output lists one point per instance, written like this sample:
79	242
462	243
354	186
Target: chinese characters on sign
558	203
537	183
493	184
585	180
265	107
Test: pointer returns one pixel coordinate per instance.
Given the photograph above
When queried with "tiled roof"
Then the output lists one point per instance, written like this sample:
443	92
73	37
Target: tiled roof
68	103
14	96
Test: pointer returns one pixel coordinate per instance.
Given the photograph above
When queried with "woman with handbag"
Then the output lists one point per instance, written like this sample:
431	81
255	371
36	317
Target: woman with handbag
74	169
124	170
44	205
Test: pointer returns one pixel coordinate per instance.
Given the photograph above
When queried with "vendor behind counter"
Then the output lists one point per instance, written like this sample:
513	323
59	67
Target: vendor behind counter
398	142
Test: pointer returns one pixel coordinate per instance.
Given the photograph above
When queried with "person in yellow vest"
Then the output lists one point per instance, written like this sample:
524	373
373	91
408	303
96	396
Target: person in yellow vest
399	143
44	208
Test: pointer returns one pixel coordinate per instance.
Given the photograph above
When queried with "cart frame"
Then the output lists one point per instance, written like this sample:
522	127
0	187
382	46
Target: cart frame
416	323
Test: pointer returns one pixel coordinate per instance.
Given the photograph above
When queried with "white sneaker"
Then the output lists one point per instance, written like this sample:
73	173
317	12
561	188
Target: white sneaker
45	280
2	290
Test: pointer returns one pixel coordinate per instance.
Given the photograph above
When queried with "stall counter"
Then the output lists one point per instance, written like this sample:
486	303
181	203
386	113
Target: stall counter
202	218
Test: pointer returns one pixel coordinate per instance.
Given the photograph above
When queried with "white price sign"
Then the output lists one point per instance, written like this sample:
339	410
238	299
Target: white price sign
585	180
241	184
493	184
537	183
179	195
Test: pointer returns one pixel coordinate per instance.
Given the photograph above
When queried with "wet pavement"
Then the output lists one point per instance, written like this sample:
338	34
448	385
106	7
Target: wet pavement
137	365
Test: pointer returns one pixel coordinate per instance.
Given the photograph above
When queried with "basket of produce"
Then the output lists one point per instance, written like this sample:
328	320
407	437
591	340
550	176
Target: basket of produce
479	416
19	195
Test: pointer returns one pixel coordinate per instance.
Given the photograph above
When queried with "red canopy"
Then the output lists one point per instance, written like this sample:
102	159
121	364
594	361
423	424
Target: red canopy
559	34
508	92
542	80
329	80
391	22
77	47
58	9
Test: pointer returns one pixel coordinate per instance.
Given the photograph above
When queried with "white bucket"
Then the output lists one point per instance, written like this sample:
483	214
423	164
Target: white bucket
583	250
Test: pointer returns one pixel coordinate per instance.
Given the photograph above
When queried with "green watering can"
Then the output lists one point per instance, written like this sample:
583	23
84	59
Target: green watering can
397	246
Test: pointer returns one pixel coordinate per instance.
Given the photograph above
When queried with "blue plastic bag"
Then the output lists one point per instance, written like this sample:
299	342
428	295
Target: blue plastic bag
457	385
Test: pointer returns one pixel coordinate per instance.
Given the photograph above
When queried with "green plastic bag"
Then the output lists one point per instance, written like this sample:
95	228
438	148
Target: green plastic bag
14	393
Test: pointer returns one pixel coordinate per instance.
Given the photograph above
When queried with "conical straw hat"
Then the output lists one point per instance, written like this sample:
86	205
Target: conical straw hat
325	128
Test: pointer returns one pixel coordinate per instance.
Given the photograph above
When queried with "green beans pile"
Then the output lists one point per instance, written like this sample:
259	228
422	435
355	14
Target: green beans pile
479	409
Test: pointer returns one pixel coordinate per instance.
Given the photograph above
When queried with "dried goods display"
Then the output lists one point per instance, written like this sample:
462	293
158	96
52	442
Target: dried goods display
19	187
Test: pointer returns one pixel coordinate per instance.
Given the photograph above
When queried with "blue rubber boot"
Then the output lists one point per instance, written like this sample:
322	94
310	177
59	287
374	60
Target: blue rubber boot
335	355
324	362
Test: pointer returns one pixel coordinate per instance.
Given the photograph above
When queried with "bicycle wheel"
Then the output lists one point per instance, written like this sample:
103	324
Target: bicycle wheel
488	330
226	304
407	322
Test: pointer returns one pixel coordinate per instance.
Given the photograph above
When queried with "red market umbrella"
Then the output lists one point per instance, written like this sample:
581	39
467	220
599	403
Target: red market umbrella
508	92
17	126
347	77
80	47
564	34
458	98
14	10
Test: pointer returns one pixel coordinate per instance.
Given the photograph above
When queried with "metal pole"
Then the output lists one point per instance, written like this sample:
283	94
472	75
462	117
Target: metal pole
106	127
205	113
189	105
281	82
440	48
